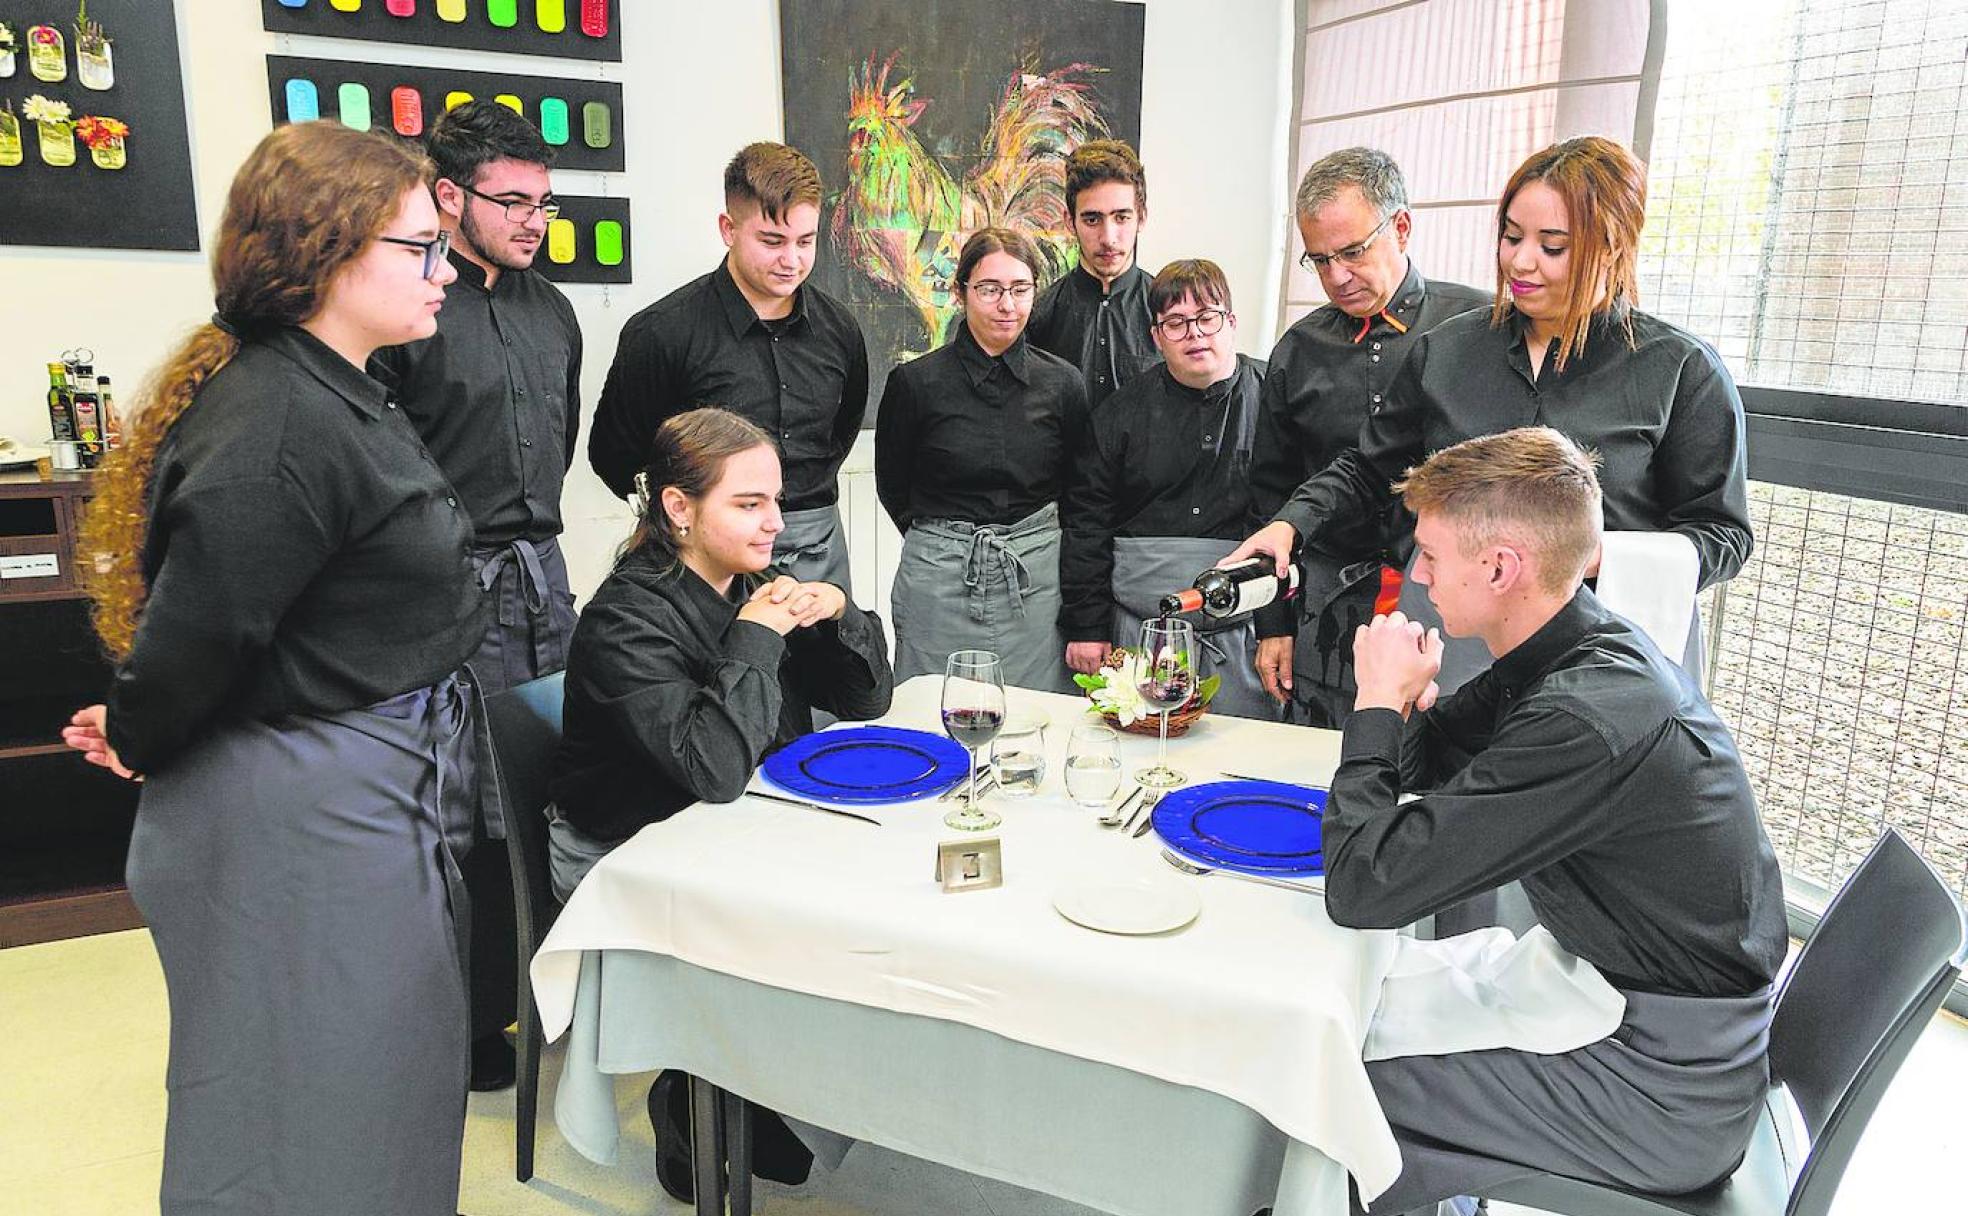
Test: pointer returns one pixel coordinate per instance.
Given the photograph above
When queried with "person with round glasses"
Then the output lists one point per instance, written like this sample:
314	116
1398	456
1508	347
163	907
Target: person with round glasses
1328	373
1161	480
284	579
973	444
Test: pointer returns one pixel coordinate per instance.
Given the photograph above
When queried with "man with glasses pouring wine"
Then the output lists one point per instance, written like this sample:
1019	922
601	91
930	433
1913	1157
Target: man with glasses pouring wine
495	394
1160	480
1328	373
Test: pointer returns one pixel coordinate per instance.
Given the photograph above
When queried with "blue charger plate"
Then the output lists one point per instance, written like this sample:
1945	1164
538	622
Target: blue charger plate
868	765
1259	827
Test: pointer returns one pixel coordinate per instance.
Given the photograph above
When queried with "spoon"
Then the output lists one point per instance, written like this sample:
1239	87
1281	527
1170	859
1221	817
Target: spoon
1189	867
1113	818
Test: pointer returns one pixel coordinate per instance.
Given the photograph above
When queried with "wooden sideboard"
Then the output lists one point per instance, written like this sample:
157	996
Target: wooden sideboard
64	824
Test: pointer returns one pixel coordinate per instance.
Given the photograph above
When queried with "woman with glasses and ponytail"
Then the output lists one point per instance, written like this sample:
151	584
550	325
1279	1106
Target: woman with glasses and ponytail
973	444
285	581
689	664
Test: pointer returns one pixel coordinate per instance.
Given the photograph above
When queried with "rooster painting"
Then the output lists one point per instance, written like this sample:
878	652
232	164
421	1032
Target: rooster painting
903	216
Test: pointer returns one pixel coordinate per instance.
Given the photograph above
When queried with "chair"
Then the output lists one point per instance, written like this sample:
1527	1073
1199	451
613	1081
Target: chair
1862	989
525	726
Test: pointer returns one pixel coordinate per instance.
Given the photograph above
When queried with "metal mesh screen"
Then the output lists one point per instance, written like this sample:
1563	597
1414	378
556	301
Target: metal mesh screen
1808	214
1841	673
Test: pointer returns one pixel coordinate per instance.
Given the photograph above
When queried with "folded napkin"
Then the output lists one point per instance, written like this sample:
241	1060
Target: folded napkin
1649	578
1489	989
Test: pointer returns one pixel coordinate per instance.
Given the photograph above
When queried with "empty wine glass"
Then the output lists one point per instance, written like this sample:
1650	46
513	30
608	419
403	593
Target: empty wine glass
973	713
1165	678
1093	765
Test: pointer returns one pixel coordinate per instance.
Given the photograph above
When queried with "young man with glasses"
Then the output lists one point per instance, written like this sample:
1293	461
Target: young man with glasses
1096	316
1327	373
753	337
1160	480
495	393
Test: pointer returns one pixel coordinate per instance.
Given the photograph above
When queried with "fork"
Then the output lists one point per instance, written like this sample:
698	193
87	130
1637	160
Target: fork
1145	812
1189	867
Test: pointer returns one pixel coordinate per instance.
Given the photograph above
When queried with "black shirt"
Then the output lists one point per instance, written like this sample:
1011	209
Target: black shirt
1106	332
965	435
671	699
1327	373
1158	459
1590	768
1663	415
496	394
305	555
804	380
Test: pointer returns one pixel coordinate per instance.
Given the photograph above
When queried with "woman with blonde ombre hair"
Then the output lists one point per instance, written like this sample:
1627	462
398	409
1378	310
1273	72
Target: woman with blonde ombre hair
285	583
1564	345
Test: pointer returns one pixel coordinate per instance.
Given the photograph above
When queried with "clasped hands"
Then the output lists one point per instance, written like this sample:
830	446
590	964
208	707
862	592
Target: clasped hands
1395	662
786	604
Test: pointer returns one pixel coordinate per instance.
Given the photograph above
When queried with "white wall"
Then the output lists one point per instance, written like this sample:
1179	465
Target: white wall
1214	115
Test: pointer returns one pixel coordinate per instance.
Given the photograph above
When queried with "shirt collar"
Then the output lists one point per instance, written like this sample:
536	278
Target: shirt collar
1535	654
738	310
978	365
361	390
1607	329
1212	394
1130	279
471	275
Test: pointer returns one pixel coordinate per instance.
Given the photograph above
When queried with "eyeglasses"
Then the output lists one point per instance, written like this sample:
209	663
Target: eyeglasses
989	291
519	211
435	250
1352	255
1207	322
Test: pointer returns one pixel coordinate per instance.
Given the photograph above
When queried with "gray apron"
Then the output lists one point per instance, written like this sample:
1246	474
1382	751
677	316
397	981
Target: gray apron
533	617
1146	568
963	586
301	885
813	548
1463	659
1667	1104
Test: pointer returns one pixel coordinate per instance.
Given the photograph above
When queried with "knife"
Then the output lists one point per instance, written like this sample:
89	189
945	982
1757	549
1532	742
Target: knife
1148	820
811	806
982	772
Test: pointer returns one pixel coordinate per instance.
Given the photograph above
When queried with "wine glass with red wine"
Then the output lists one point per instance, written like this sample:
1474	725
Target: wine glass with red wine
1165	678
973	714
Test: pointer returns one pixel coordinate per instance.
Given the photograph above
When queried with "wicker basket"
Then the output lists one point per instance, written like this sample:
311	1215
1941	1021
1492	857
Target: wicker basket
1180	721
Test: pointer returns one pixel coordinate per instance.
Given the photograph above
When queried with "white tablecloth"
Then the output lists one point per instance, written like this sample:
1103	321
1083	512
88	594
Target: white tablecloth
1262	1000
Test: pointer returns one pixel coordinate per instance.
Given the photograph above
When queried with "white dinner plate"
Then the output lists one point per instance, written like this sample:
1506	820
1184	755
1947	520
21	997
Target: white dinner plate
1128	905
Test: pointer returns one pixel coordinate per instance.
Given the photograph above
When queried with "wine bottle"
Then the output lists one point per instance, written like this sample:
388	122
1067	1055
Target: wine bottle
1232	590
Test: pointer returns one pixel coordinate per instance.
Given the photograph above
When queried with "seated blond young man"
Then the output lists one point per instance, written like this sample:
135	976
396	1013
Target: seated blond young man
1589	767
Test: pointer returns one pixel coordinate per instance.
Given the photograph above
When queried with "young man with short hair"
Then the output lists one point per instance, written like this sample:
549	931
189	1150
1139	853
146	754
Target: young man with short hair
1589	766
754	337
1096	316
496	395
1160	481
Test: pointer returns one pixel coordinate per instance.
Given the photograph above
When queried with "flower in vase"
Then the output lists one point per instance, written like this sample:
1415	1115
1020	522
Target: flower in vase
1116	688
98	132
41	109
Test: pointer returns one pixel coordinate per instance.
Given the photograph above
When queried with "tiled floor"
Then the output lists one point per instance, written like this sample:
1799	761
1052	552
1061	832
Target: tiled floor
82	1040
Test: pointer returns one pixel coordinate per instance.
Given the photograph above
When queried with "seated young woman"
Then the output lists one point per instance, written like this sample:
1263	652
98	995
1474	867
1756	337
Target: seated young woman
692	660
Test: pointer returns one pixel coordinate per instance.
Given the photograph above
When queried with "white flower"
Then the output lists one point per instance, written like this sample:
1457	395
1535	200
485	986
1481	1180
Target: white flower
1120	697
40	109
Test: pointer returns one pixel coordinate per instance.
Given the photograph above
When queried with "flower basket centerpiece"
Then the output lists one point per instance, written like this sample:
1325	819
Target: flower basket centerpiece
1114	691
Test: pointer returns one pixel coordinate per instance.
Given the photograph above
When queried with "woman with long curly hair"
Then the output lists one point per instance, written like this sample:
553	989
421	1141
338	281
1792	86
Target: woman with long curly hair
284	578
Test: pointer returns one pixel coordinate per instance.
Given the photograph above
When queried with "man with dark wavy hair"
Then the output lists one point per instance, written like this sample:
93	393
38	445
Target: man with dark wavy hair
1096	316
496	395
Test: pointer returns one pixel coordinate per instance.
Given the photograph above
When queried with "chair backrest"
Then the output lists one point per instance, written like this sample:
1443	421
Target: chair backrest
525	724
1865	985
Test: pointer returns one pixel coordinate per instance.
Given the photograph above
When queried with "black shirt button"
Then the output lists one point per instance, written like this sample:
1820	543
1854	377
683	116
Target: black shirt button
526	443
452	501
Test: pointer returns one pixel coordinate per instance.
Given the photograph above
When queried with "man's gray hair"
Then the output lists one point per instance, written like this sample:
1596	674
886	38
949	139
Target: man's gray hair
1369	170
